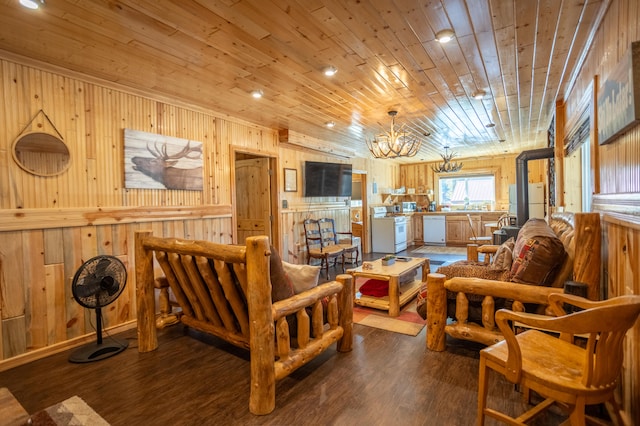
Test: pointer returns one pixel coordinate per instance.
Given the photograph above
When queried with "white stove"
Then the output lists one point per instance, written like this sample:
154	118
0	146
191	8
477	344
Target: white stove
388	231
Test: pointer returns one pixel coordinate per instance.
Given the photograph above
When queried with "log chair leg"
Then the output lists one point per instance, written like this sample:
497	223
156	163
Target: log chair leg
436	312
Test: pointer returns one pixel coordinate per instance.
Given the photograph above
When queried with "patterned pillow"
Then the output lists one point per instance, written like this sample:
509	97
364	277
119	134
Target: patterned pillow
537	255
503	259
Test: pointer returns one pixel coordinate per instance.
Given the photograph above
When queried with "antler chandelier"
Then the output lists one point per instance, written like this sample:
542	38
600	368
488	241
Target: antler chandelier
394	143
447	166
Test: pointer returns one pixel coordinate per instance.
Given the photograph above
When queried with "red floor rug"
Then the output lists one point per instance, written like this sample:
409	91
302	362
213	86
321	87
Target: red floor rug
408	322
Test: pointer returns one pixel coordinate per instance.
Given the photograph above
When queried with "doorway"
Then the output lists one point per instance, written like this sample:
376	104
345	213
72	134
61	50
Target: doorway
254	197
359	208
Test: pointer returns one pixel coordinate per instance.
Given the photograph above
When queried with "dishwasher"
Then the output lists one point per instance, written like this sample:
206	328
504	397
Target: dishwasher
434	230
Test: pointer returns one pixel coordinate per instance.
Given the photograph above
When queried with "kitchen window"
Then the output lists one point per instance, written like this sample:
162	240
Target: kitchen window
470	190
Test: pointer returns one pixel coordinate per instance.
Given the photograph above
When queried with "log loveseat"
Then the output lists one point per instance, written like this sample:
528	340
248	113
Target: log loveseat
225	290
581	237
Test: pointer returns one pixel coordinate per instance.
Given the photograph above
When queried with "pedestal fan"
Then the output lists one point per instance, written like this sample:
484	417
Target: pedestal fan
97	283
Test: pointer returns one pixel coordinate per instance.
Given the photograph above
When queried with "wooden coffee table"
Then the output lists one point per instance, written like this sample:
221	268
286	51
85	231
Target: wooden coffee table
399	295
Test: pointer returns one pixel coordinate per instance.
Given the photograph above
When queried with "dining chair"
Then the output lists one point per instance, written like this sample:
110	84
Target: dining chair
345	239
321	245
571	360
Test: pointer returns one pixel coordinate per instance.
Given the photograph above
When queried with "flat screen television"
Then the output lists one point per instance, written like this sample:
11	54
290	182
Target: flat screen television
327	179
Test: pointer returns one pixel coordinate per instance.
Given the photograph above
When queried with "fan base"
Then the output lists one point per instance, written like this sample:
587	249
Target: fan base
96	352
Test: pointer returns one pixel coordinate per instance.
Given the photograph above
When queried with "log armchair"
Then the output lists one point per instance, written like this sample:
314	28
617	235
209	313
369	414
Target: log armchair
226	290
580	236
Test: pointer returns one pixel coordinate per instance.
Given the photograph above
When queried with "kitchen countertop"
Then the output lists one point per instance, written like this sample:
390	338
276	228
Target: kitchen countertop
459	212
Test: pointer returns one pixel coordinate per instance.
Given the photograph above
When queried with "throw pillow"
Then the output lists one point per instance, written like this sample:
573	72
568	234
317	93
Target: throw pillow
504	256
302	277
375	288
537	255
281	287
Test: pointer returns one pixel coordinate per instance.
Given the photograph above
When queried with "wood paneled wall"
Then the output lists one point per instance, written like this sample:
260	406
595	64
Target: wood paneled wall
38	265
617	166
50	225
504	168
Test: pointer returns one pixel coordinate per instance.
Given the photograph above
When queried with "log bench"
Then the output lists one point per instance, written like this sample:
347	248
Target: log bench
225	290
581	237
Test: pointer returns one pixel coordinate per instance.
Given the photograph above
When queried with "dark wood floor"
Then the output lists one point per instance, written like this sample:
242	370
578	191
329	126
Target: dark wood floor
192	379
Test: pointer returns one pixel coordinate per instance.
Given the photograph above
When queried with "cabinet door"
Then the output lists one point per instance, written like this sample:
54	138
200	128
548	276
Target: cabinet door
456	232
417	229
410	231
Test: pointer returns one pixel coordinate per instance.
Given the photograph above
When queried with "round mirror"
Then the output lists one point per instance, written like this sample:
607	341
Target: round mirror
41	154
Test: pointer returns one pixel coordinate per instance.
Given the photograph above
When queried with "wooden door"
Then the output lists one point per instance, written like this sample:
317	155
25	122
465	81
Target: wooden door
253	198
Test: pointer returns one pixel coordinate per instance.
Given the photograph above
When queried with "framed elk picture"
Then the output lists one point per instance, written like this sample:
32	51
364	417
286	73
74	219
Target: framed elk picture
161	162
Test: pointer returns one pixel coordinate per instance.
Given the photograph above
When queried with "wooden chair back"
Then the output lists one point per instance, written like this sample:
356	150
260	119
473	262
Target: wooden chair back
312	237
503	221
474	236
604	324
328	232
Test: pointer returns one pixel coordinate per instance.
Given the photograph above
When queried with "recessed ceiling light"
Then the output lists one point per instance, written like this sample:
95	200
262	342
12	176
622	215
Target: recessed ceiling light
489	125
257	94
479	94
330	71
445	36
330	124
32	4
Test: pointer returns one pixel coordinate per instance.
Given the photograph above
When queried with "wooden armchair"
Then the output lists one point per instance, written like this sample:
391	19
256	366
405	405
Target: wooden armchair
556	368
321	245
345	240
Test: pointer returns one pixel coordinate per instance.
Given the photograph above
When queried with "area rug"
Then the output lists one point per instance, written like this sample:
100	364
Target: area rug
70	412
459	251
408	322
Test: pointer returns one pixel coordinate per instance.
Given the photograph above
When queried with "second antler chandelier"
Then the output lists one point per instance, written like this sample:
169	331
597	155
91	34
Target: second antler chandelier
447	165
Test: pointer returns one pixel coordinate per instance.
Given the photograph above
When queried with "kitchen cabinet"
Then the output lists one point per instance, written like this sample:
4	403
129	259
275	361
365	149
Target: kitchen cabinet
417	229
458	230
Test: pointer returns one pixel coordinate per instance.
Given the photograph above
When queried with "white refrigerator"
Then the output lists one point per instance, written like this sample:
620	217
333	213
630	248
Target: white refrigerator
536	200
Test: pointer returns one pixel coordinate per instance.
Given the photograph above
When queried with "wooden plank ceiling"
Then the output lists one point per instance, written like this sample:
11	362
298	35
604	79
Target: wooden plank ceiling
522	53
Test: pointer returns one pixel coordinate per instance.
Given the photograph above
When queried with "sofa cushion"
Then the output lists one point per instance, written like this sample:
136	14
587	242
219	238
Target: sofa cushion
302	277
537	255
503	258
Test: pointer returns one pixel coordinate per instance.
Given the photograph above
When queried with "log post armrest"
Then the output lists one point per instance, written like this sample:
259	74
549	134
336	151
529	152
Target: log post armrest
523	293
